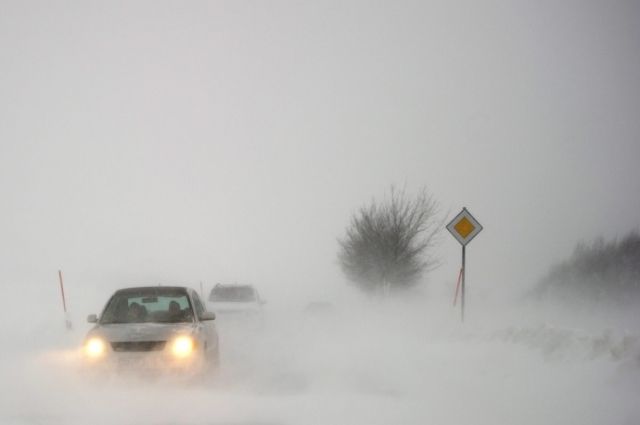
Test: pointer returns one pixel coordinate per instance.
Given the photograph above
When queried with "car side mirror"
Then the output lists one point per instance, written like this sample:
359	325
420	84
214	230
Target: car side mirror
92	318
208	315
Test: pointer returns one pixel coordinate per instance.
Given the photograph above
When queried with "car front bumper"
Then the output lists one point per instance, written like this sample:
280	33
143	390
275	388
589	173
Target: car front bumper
144	364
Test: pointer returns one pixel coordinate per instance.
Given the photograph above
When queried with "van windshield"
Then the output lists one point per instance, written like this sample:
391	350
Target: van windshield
236	293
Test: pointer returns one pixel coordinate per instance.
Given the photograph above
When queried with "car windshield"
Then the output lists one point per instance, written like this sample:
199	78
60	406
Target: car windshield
148	305
236	293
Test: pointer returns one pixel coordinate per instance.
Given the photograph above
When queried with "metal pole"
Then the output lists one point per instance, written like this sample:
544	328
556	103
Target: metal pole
64	302
67	321
464	271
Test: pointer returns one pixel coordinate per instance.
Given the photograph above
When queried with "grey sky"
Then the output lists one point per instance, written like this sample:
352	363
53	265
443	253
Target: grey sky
172	141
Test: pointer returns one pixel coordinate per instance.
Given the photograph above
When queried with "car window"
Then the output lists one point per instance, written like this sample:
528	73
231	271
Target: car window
157	305
235	293
198	304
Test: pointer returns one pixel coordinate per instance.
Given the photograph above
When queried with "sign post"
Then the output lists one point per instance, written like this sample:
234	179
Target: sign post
463	227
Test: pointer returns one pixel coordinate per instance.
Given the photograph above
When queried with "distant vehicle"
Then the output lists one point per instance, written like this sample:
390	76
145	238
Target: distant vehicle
155	328
235	298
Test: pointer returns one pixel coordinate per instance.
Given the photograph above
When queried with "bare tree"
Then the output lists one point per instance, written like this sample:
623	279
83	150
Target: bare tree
389	244
601	271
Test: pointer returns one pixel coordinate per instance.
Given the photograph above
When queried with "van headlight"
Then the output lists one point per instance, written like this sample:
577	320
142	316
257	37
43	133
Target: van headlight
182	346
95	347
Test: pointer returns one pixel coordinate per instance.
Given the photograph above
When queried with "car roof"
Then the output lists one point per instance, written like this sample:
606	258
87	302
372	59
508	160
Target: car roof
155	287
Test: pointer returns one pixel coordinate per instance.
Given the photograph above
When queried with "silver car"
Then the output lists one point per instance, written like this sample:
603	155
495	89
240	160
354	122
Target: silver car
240	300
158	328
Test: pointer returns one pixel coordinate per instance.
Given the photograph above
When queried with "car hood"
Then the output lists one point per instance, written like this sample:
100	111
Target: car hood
141	331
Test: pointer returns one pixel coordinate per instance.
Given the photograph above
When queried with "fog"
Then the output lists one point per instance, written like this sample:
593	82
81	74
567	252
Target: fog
146	143
404	360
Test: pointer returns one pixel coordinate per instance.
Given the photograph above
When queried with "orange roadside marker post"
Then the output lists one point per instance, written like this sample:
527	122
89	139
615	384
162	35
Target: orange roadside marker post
67	321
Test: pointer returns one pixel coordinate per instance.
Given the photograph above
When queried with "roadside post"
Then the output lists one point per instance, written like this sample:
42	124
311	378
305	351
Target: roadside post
463	227
67	321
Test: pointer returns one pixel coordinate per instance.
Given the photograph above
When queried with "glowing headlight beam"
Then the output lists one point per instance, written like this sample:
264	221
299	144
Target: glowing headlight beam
182	346
95	347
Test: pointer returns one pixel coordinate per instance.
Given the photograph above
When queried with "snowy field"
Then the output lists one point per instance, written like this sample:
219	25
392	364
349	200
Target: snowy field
378	363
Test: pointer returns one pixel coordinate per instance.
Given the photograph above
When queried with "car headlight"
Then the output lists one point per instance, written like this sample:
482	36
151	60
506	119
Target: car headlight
95	347
182	346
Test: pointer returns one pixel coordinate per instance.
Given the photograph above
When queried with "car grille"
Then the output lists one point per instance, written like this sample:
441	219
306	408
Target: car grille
138	346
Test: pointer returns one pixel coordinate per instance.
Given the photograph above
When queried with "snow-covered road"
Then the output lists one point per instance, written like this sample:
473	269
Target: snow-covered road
388	367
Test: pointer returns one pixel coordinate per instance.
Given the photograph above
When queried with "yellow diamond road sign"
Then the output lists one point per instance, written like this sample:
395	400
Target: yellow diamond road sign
464	227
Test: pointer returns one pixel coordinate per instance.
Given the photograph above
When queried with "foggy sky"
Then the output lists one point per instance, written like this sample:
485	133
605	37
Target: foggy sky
145	142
